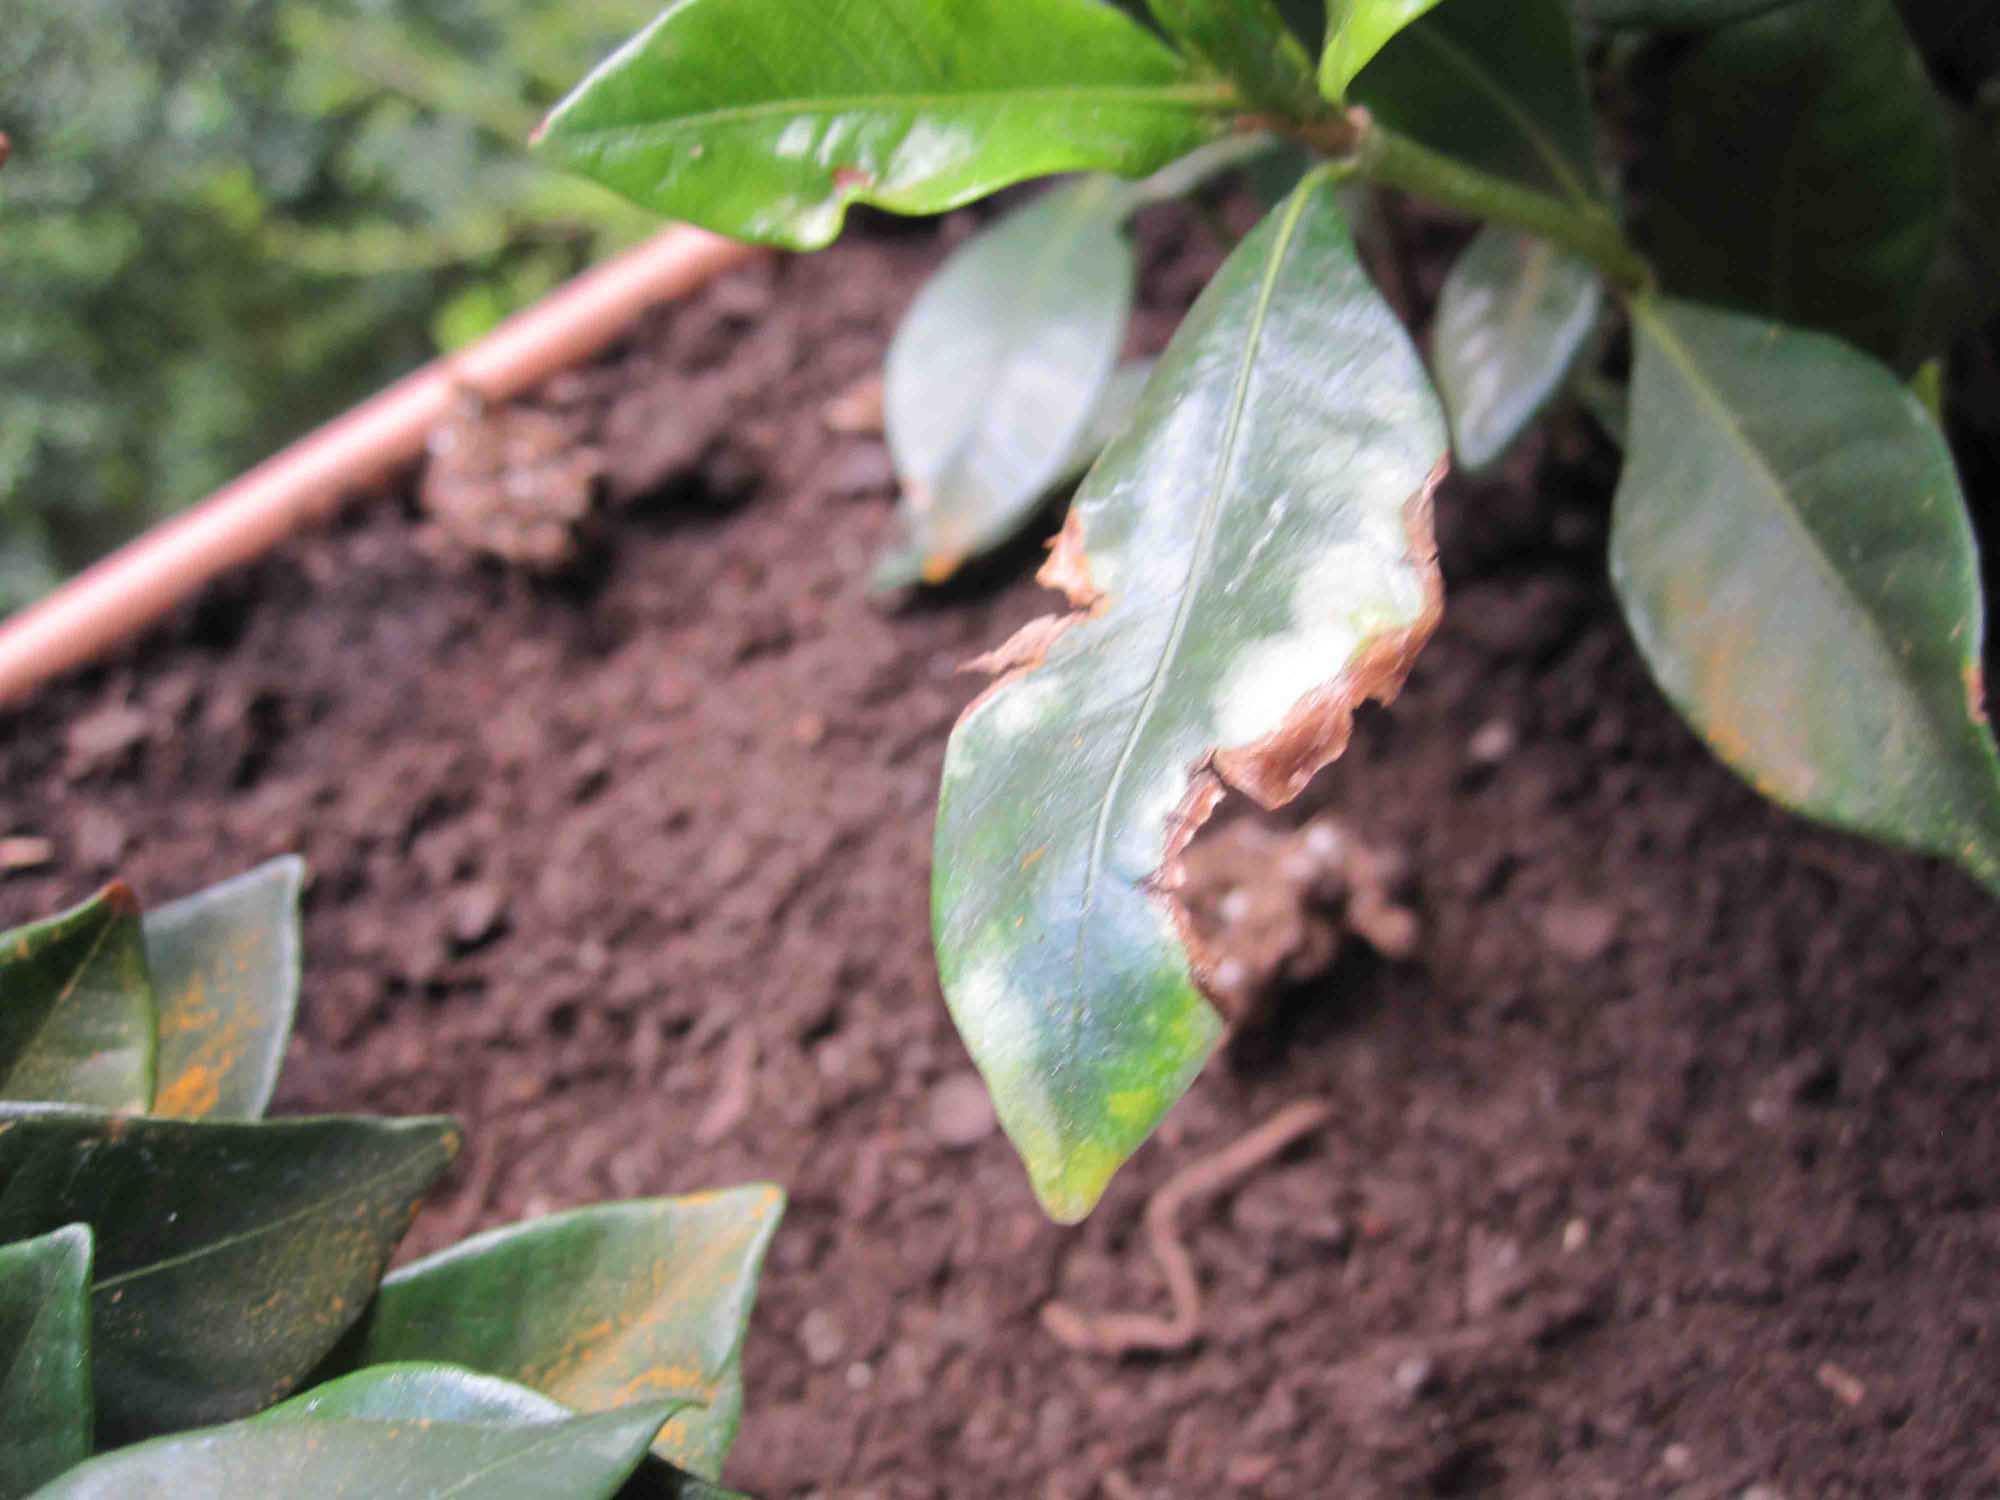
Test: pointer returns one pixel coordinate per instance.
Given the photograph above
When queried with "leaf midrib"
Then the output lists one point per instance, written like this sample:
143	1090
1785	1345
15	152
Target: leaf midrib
83	967
1684	361
1203	549
1219	95
1539	140
412	1164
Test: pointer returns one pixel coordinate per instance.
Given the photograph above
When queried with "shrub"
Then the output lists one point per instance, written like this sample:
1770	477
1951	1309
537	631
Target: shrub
1252	556
174	1268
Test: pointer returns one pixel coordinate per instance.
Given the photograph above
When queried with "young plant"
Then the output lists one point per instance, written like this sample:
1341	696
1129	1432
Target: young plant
1252	557
173	1267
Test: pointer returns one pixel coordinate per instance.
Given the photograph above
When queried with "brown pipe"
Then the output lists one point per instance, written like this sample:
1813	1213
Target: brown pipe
115	598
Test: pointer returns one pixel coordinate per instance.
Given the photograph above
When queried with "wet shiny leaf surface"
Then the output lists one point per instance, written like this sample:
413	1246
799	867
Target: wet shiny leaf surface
295	1451
599	1307
1247	563
764	119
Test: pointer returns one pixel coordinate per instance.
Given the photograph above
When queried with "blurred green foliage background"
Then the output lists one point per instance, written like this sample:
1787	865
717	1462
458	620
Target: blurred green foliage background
227	220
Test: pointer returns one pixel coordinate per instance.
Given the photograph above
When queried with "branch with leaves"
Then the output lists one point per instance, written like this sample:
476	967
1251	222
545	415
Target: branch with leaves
1251	556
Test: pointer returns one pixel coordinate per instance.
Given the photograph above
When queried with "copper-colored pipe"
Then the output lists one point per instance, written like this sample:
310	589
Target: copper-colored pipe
141	581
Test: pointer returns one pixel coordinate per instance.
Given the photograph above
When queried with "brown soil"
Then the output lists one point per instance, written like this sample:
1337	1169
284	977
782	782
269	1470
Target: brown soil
1668	1165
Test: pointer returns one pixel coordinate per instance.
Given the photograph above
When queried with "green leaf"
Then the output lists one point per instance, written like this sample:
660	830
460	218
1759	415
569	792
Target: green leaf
451	1393
1515	313
597	1308
1248	42
994	372
230	1257
76	1007
1802	171
1792	550
1496	84
1927	385
417	1458
44	1358
412	1391
1248	562
1355	31
764	119
226	971
1675	15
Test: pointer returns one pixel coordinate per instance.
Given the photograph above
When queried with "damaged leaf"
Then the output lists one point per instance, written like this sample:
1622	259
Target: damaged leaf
1514	315
624	1302
1802	172
76	1008
995	371
44	1358
1249	561
1792	550
225	967
230	1256
765	119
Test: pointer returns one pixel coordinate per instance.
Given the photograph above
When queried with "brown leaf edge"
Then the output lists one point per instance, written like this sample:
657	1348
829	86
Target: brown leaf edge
1274	768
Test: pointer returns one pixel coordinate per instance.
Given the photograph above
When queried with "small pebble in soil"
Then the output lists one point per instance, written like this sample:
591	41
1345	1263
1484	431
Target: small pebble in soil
25	852
1491	743
821	1336
476	913
1576	1234
961	1111
1418	1376
1579	931
1677	1459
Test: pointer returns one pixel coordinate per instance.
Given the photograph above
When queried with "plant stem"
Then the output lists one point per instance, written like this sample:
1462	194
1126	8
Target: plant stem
1382	156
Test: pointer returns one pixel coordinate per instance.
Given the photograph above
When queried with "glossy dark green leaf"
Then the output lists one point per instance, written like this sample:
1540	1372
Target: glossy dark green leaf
1249	43
764	119
326	1457
1355	31
451	1393
230	1257
76	1008
1792	550
412	1391
225	965
44	1358
595	1308
1497	84
1247	563
1801	171
1675	15
994	372
1515	313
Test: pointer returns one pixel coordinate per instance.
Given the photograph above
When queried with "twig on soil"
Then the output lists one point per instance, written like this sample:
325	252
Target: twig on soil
1121	1333
731	1100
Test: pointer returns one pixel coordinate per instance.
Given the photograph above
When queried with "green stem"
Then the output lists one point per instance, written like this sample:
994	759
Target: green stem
1382	156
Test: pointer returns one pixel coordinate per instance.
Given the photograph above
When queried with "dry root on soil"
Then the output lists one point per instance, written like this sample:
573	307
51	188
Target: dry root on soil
1121	1333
